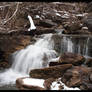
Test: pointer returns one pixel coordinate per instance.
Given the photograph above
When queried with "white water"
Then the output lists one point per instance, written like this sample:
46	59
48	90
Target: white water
68	45
55	85
32	57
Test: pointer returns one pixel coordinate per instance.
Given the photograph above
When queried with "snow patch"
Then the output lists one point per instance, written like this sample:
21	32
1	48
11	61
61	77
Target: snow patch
55	86
32	26
58	14
37	16
34	82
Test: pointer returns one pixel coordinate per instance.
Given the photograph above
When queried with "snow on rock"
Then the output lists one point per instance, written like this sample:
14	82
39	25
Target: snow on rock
85	28
58	14
55	59
34	82
37	16
55	86
81	15
65	15
32	26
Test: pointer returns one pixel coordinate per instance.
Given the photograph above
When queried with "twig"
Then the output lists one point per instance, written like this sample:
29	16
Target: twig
12	15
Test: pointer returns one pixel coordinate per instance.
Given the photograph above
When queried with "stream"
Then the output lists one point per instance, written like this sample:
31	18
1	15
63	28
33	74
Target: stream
39	54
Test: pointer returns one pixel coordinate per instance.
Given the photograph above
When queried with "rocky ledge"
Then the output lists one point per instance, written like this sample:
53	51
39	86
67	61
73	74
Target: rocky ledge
74	75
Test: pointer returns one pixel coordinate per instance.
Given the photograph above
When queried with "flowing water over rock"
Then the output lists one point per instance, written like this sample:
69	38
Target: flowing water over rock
73	43
38	55
34	56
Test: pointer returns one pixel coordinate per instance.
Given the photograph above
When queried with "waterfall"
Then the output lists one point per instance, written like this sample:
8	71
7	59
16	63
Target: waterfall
33	56
86	51
69	45
66	45
75	45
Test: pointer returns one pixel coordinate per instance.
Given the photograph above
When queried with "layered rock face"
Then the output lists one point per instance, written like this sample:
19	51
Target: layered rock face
50	72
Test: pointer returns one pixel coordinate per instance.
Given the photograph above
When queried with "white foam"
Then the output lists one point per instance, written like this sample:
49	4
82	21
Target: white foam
10	76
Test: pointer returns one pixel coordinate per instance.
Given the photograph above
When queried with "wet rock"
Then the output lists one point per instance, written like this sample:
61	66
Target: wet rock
89	62
42	30
89	7
1	56
47	23
10	44
72	28
48	82
77	76
22	86
4	65
50	72
71	58
88	22
90	77
54	63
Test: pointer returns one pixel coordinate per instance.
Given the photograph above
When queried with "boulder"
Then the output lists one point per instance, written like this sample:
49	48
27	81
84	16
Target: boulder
23	86
50	72
71	58
89	62
47	23
10	44
48	82
90	77
54	63
89	7
77	76
88	22
72	28
44	30
4	64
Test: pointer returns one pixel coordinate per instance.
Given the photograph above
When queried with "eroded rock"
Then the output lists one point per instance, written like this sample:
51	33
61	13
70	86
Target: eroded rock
78	76
21	85
71	58
50	72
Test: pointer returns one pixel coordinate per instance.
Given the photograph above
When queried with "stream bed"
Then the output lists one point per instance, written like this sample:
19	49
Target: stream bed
49	46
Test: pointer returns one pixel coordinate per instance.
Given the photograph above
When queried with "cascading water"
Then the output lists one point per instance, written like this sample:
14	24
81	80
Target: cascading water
34	56
80	45
66	45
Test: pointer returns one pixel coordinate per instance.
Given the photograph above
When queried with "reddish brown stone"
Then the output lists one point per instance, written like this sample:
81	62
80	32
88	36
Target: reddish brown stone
48	82
50	72
89	62
77	76
71	58
21	86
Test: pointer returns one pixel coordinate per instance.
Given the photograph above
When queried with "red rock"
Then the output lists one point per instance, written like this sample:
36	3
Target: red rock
48	82
89	62
21	86
91	77
71	58
77	76
50	72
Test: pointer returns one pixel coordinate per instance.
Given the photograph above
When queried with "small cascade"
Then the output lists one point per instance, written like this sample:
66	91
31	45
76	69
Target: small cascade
66	45
77	45
33	56
69	45
86	49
